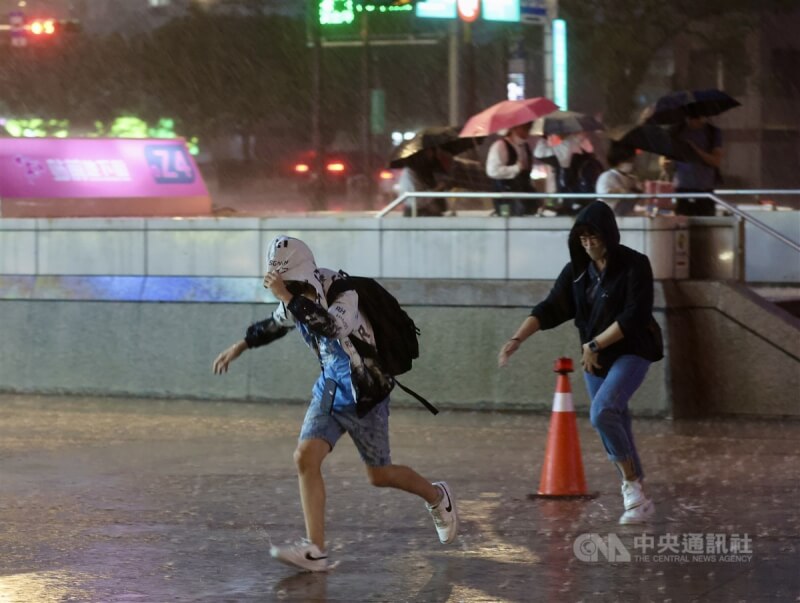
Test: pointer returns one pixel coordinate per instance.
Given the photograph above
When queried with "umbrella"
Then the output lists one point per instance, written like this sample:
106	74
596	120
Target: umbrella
674	107
507	114
564	123
659	140
445	138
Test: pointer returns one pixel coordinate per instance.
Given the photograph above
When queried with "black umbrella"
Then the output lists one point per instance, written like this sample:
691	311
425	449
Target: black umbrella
661	141
445	138
564	123
675	107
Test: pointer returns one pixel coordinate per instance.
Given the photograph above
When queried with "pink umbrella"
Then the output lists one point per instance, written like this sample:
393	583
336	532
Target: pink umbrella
507	114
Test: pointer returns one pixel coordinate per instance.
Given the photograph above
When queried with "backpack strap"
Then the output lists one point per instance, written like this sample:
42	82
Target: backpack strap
422	400
338	287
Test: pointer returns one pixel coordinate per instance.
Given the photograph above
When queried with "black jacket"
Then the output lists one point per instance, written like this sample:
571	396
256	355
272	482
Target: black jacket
625	293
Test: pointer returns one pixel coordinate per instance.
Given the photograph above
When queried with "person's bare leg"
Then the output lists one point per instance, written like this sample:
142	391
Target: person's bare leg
308	457
404	478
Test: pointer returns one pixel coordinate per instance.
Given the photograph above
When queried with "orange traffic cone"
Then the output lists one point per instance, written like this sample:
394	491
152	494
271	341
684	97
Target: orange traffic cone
562	472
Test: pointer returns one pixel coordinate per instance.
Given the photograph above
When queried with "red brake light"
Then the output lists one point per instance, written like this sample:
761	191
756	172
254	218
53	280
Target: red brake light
335	166
386	175
41	27
301	168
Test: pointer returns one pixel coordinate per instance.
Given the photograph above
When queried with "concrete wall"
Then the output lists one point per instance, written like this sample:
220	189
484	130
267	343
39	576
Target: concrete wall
89	346
141	307
466	248
461	247
727	351
731	351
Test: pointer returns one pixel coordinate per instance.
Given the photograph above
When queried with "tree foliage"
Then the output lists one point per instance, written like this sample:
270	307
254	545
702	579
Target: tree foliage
613	42
213	74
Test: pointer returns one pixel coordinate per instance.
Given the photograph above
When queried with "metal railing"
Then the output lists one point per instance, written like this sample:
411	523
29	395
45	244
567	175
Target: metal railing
742	216
733	209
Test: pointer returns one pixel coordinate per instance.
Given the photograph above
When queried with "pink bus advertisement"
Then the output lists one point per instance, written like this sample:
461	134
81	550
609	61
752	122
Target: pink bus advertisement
63	177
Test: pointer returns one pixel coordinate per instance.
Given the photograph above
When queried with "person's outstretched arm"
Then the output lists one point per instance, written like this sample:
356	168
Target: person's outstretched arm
222	361
528	327
556	309
257	335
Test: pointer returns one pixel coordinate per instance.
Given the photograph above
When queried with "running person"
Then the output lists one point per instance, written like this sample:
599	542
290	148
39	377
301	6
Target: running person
346	377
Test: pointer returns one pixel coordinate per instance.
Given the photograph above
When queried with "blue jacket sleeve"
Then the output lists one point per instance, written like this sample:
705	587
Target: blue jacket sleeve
559	305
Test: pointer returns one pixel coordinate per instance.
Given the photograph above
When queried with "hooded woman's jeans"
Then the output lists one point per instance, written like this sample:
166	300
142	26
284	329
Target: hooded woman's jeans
609	411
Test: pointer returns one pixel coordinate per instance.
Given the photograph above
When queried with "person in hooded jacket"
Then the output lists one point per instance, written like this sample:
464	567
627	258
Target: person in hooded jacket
607	289
347	379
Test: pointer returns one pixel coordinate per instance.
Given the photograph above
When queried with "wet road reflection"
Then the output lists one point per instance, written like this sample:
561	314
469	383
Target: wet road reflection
142	500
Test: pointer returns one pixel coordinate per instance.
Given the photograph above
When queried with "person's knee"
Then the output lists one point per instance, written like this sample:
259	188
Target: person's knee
380	477
308	458
602	418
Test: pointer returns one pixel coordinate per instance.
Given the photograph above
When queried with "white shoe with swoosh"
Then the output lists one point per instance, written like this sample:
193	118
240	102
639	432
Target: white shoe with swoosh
302	554
444	514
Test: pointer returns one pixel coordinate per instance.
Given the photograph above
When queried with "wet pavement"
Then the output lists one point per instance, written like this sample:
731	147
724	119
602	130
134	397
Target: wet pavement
156	501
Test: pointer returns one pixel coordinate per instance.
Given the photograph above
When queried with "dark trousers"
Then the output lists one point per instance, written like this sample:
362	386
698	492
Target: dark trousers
509	207
701	206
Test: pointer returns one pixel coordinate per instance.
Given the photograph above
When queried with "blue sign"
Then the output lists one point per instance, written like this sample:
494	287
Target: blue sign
437	9
169	164
501	10
533	11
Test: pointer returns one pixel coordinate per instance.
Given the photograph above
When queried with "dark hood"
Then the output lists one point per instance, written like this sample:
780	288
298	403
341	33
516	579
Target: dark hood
600	218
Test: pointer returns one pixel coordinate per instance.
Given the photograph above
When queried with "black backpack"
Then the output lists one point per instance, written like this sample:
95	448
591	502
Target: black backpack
396	344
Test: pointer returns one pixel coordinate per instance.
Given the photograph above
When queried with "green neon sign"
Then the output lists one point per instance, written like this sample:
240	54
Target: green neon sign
343	12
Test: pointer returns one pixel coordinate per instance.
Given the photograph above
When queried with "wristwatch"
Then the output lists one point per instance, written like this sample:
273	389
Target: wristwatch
594	347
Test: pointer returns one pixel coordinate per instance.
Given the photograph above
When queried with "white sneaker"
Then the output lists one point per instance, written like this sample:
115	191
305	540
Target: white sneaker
638	508
302	554
641	514
632	494
444	515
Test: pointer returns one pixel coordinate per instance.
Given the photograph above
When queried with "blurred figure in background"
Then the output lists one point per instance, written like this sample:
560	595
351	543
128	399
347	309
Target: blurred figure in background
427	171
575	167
509	165
698	177
619	179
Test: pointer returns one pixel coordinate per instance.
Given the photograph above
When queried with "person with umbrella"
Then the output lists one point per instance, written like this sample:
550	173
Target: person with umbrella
425	172
698	176
426	160
509	161
687	112
509	165
566	148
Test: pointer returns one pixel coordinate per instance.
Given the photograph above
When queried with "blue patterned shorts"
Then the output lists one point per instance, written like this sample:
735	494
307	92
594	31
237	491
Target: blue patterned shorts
370	434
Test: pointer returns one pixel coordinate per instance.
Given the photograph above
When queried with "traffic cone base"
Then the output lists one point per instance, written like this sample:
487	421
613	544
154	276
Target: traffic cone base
562	471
